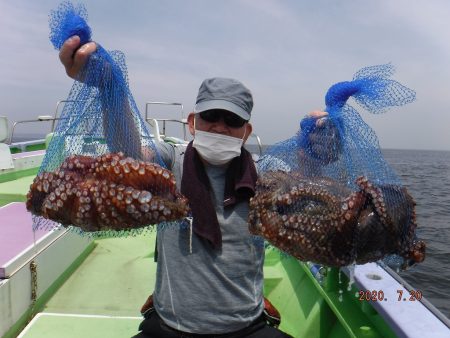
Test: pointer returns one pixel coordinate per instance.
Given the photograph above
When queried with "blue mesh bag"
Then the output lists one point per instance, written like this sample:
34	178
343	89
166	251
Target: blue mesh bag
327	195
102	171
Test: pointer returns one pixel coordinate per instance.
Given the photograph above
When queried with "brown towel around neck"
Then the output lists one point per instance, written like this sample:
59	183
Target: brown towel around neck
240	181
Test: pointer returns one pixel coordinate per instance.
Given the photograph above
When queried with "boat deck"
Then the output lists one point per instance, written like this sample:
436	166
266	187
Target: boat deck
49	325
102	298
16	190
15	182
114	280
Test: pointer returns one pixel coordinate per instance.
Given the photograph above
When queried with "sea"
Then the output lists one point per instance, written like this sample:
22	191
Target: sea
426	175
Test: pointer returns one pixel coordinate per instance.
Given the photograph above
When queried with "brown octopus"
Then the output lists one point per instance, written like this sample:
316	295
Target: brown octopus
320	220
110	192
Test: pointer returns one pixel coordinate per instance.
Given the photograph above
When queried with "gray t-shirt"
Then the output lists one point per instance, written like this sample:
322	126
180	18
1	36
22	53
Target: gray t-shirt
206	290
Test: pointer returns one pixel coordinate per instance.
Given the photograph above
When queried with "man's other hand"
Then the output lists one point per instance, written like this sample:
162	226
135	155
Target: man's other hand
325	143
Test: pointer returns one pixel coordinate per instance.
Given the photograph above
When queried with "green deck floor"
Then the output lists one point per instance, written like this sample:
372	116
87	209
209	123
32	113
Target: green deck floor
102	298
51	326
115	279
16	190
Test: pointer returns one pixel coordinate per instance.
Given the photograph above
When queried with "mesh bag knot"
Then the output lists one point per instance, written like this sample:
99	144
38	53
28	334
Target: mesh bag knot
69	20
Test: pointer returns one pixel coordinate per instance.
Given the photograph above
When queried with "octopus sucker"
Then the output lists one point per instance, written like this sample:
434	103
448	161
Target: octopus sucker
321	220
109	192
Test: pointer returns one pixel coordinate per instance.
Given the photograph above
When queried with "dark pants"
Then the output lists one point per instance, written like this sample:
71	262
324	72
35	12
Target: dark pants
154	327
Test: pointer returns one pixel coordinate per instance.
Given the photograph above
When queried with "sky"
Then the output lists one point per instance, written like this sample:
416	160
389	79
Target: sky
287	52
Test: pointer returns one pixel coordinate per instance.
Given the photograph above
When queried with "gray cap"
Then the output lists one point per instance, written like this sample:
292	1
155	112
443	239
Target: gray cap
227	94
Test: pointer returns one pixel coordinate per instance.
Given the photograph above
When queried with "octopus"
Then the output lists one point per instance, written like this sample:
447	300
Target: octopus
109	192
320	220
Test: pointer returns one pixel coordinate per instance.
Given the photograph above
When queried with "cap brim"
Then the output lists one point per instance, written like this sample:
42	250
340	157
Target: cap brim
221	104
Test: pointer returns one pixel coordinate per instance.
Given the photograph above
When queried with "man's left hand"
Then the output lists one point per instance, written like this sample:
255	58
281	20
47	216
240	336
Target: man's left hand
324	140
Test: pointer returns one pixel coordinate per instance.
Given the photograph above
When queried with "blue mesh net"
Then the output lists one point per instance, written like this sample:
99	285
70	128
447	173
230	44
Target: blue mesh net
327	195
69	20
102	171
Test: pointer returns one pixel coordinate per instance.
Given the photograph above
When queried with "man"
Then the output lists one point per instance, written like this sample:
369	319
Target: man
210	280
210	272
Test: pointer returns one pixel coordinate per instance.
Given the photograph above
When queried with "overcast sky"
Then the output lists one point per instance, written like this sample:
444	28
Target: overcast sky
287	52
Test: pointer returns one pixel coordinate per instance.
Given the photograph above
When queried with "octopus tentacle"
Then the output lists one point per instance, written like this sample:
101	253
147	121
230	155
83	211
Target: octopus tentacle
318	219
110	192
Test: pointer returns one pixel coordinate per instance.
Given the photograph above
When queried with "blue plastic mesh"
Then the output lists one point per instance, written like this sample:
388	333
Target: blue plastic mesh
66	21
93	175
327	195
347	146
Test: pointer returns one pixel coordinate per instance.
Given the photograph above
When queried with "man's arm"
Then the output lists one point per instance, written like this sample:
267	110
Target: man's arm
121	135
119	125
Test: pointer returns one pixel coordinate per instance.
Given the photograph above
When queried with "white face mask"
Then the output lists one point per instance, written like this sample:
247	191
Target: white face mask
217	149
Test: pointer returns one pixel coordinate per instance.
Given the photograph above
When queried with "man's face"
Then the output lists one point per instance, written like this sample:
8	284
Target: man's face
219	122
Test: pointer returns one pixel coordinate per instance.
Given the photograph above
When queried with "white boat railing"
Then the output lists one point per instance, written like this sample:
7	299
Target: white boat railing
55	116
41	118
151	120
158	133
22	145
